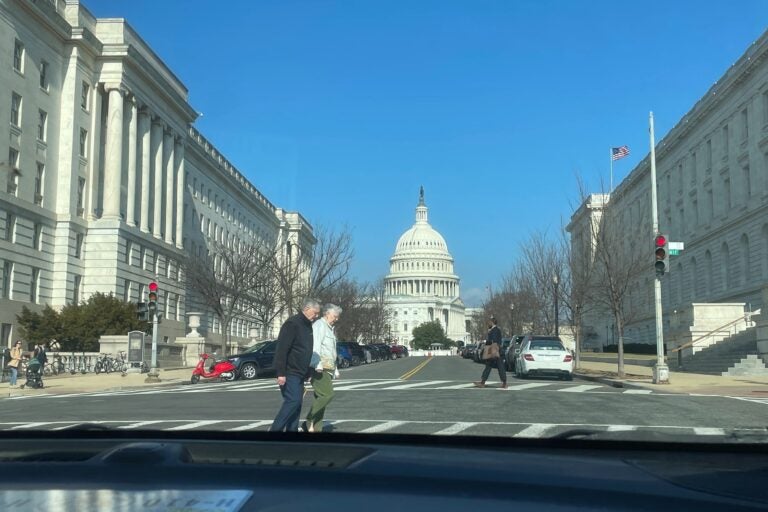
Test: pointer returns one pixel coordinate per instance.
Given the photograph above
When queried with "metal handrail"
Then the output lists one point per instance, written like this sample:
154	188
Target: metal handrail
710	333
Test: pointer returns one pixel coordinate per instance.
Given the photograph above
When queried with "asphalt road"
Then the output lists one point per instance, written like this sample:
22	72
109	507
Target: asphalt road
412	395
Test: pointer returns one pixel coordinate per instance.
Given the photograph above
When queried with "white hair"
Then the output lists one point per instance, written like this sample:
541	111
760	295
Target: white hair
310	304
332	308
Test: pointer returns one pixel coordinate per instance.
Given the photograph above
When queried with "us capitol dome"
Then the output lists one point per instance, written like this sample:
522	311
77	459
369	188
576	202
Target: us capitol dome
421	285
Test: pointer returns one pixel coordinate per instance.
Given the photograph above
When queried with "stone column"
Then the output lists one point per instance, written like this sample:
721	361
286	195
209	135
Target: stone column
114	153
179	192
145	131
168	148
157	153
130	211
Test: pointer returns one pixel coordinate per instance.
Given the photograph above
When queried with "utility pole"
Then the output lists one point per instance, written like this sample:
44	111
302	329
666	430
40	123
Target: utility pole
154	311
661	370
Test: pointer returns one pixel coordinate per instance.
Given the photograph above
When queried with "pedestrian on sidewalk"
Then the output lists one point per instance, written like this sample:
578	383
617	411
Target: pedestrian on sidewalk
16	354
292	364
492	355
323	366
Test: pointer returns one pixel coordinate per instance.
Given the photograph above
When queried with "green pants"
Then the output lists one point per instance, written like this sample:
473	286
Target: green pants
322	384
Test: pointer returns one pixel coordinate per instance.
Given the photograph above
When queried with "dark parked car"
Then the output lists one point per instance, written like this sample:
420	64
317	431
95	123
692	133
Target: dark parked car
357	354
343	356
255	361
385	351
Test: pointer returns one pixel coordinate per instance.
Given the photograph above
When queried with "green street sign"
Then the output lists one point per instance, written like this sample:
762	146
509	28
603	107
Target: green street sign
674	252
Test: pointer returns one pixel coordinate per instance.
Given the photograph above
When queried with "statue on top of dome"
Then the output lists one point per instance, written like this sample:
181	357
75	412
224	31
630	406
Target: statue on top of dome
421	195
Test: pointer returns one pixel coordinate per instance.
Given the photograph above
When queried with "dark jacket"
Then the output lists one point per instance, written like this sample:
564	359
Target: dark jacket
494	335
294	347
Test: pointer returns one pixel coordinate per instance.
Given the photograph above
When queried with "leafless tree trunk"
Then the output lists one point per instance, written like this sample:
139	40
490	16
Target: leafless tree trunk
223	280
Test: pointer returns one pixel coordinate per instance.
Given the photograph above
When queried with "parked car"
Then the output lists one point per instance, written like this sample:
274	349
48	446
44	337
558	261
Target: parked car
544	355
383	352
399	350
343	356
512	351
255	361
357	354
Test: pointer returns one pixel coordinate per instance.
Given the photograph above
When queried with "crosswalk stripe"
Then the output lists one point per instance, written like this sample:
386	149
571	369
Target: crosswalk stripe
251	426
417	384
703	431
638	391
31	425
535	430
579	389
140	424
383	427
364	384
458	386
517	387
455	428
189	426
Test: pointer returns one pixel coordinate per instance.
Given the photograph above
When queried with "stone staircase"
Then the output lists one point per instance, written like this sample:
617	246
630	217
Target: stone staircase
736	355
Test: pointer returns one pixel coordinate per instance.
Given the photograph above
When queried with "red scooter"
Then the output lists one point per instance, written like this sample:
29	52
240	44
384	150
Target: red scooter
223	370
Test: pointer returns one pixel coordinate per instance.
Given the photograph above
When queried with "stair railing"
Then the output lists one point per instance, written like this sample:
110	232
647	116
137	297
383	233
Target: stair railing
726	328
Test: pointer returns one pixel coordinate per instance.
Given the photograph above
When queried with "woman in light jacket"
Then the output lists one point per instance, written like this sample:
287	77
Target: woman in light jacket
323	366
16	354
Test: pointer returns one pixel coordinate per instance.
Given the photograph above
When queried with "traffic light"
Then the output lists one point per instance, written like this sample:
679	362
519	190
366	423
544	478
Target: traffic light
661	252
152	304
142	311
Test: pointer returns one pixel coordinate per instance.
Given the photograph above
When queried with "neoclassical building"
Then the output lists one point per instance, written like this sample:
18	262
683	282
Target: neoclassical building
421	285
712	175
107	185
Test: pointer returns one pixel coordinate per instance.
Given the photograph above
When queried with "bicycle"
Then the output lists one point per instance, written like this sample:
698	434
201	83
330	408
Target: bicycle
104	364
119	364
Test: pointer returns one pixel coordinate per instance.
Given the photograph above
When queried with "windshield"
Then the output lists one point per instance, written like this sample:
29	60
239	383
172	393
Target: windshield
363	204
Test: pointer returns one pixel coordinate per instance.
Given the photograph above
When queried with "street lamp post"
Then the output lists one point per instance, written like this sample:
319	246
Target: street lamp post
556	281
512	315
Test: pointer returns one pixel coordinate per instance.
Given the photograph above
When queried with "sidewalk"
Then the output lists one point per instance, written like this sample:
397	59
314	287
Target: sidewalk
91	382
641	377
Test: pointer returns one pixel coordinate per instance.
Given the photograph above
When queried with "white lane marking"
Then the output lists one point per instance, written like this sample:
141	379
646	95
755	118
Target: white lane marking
535	430
189	426
32	425
140	424
703	431
621	428
455	428
388	425
638	391
579	389
516	387
459	386
251	426
364	384
416	385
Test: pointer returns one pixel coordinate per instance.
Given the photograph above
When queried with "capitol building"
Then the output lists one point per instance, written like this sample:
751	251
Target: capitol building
421	285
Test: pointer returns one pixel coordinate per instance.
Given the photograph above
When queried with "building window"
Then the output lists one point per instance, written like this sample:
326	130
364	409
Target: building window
79	245
44	75
12	186
76	294
128	251
142	258
37	237
746	269
39	181
727	194
710	204
725	141
83	142
80	196
744	125
34	283
7	279
157	264
10	227
709	155
18	56
695	207
42	125
127	291
85	92
747	182
16	110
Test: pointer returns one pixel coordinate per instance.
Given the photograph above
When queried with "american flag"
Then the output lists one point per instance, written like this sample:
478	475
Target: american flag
620	152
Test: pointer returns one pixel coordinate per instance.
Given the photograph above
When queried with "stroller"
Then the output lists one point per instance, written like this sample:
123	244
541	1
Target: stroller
34	374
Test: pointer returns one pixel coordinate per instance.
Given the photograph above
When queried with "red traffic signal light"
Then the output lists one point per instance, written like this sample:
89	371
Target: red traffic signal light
152	297
153	286
661	240
661	253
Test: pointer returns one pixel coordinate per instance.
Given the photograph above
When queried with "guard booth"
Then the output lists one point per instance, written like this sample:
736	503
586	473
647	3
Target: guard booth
135	350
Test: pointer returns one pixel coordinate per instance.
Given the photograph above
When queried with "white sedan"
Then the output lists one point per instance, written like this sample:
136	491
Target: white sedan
544	355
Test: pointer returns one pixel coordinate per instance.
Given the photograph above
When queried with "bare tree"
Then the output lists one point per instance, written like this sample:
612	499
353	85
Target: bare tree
223	279
269	297
377	315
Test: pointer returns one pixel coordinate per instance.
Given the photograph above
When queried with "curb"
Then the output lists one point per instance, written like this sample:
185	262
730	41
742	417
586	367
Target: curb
164	383
616	383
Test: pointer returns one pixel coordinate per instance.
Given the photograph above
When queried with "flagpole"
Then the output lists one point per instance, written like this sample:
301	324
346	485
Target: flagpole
610	157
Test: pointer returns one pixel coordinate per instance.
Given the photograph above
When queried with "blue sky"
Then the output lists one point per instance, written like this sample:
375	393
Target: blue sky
342	109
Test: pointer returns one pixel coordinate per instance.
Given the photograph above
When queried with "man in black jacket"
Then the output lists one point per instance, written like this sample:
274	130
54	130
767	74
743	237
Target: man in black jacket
292	362
494	337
